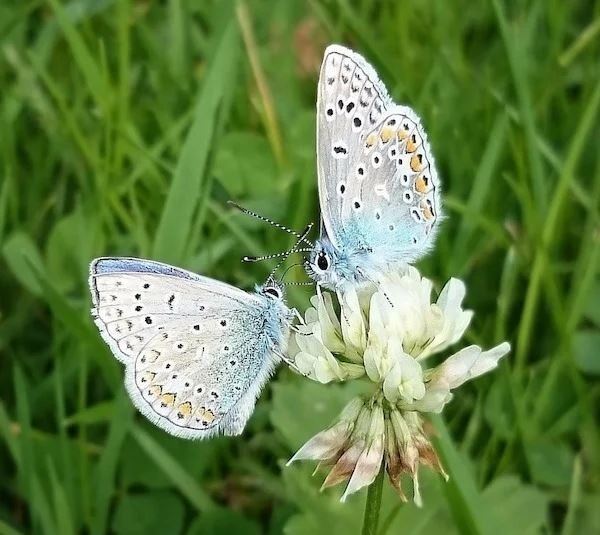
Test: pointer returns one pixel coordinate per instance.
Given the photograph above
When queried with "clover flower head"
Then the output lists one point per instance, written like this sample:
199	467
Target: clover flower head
353	446
386	334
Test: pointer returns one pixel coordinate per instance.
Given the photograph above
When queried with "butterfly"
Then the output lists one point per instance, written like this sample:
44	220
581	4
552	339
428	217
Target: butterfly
379	190
197	351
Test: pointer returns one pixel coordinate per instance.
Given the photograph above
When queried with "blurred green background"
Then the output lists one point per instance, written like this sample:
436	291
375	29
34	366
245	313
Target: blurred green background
124	128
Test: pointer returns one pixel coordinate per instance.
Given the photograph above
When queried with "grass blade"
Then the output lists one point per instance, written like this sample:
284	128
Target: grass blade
91	70
62	513
560	196
517	60
182	200
5	529
107	467
464	498
172	469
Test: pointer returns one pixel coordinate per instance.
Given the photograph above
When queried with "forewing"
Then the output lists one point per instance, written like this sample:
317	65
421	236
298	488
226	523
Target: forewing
195	349
350	102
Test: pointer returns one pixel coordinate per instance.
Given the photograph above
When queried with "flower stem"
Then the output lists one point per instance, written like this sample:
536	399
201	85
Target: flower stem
373	505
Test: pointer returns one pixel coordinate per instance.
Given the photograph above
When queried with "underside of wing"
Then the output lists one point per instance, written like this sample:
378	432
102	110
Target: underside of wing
378	186
198	384
133	297
195	350
350	102
393	203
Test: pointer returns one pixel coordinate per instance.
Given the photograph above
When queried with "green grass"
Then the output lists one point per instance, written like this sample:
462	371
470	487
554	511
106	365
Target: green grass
125	126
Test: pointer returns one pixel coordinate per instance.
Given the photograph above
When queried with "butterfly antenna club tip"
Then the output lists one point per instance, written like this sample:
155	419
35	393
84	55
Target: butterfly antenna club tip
236	205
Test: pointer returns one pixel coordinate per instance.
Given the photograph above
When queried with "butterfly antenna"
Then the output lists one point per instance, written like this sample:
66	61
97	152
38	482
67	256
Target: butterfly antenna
302	237
271	256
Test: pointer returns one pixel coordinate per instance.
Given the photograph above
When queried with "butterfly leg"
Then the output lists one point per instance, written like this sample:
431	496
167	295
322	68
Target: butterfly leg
291	364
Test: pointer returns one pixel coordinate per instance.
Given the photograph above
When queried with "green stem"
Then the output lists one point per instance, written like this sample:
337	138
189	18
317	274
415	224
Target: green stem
373	505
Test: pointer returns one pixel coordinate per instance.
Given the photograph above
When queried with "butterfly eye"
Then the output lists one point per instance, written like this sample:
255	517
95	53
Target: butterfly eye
273	291
322	262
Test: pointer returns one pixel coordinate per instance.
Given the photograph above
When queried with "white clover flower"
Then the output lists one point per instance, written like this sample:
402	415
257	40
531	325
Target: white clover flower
325	445
385	333
404	380
354	446
322	335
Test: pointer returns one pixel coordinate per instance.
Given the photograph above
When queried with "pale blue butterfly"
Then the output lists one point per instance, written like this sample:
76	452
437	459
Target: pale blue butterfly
378	187
197	351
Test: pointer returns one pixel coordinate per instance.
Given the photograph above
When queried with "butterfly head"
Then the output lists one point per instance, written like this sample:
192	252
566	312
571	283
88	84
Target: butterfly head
277	316
324	263
271	289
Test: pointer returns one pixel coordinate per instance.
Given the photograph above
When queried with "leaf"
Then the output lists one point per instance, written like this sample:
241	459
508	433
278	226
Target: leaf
21	254
464	498
5	529
63	514
592	308
550	462
86	62
586	348
587	517
319	508
498	409
244	165
151	512
172	467
66	263
518	508
482	185
320	405
98	413
194	457
107	465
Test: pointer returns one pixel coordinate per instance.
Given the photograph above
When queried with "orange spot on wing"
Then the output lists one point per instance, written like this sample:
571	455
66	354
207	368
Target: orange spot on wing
427	210
416	162
422	184
148	377
371	139
184	410
155	390
386	134
167	400
401	134
412	143
205	415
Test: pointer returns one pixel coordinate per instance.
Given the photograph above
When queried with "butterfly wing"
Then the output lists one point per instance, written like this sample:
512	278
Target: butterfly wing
377	180
395	206
196	350
350	99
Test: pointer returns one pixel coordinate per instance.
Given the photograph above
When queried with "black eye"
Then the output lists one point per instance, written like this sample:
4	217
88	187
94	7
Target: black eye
272	291
322	262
